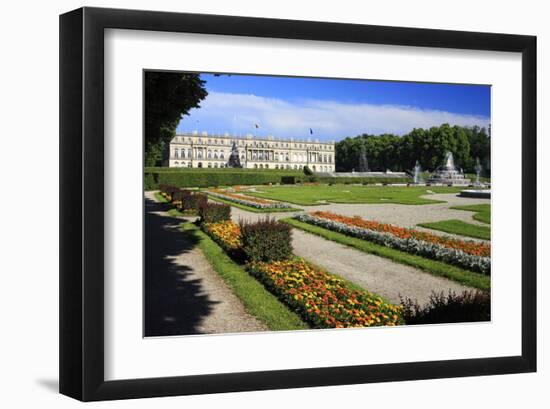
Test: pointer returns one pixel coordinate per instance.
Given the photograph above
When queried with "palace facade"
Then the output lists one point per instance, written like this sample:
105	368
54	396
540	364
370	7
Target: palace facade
201	150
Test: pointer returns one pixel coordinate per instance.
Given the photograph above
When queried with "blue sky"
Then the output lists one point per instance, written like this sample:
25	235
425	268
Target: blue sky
332	108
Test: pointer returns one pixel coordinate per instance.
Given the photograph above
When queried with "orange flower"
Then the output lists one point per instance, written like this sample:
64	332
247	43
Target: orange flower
470	247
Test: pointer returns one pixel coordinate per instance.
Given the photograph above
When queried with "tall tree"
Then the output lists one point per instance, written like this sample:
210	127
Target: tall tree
168	97
427	146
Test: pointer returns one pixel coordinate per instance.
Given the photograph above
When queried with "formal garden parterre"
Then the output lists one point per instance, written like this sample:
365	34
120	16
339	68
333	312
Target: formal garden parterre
246	200
322	299
472	255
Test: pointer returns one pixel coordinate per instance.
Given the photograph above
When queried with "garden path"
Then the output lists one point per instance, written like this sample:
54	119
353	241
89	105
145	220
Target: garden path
377	274
183	294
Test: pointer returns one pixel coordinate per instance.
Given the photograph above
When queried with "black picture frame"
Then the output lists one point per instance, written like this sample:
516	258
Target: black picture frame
82	213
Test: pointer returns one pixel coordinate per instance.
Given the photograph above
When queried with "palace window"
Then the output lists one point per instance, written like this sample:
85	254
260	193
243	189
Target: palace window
209	154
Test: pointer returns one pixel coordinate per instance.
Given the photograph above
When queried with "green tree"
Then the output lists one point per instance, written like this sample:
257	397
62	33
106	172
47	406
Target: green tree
428	146
168	97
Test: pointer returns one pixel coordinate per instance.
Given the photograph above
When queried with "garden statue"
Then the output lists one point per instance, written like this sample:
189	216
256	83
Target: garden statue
234	160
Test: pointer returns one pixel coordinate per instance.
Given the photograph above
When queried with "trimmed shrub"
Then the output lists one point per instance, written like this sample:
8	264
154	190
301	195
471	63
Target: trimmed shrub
194	201
169	190
468	306
363	180
214	212
150	181
266	240
311	179
288	180
183	178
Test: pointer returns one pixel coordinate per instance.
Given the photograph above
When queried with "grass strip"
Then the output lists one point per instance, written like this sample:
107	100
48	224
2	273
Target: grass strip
258	301
459	227
483	211
160	198
253	209
437	268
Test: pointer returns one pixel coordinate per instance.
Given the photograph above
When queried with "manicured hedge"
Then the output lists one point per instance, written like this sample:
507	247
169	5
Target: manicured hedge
205	177
194	201
214	212
212	179
363	180
266	240
288	180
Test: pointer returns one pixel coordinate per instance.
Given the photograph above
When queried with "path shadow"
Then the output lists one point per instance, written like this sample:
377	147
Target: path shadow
174	304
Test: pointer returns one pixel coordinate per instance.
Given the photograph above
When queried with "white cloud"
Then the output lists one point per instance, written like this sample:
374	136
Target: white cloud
329	119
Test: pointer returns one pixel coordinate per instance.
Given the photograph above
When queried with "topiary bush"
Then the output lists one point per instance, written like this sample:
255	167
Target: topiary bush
468	306
194	201
266	240
214	212
288	180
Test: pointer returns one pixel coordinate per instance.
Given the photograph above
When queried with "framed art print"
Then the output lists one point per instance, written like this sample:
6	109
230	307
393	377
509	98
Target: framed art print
253	204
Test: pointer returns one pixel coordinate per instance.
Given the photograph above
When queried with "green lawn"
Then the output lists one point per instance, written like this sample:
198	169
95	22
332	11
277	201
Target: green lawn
483	211
257	300
438	268
315	195
160	198
252	209
459	227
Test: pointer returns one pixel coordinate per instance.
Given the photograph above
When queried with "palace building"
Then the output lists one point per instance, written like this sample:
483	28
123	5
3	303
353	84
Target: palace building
201	150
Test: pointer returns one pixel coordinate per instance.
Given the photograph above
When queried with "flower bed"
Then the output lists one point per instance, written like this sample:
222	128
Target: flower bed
467	254
321	298
227	234
248	200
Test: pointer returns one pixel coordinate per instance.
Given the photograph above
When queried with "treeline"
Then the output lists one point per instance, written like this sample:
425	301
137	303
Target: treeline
428	146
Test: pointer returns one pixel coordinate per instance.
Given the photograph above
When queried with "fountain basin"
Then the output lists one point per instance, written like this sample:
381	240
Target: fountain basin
477	194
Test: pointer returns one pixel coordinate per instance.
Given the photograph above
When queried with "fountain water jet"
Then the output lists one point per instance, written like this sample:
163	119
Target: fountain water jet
447	174
417	171
478	169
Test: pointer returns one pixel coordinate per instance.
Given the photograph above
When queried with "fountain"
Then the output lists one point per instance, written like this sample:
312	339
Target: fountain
363	162
478	171
478	193
417	178
447	174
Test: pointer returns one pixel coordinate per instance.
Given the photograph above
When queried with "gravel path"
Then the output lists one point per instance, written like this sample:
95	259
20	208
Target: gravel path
183	294
399	214
377	274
